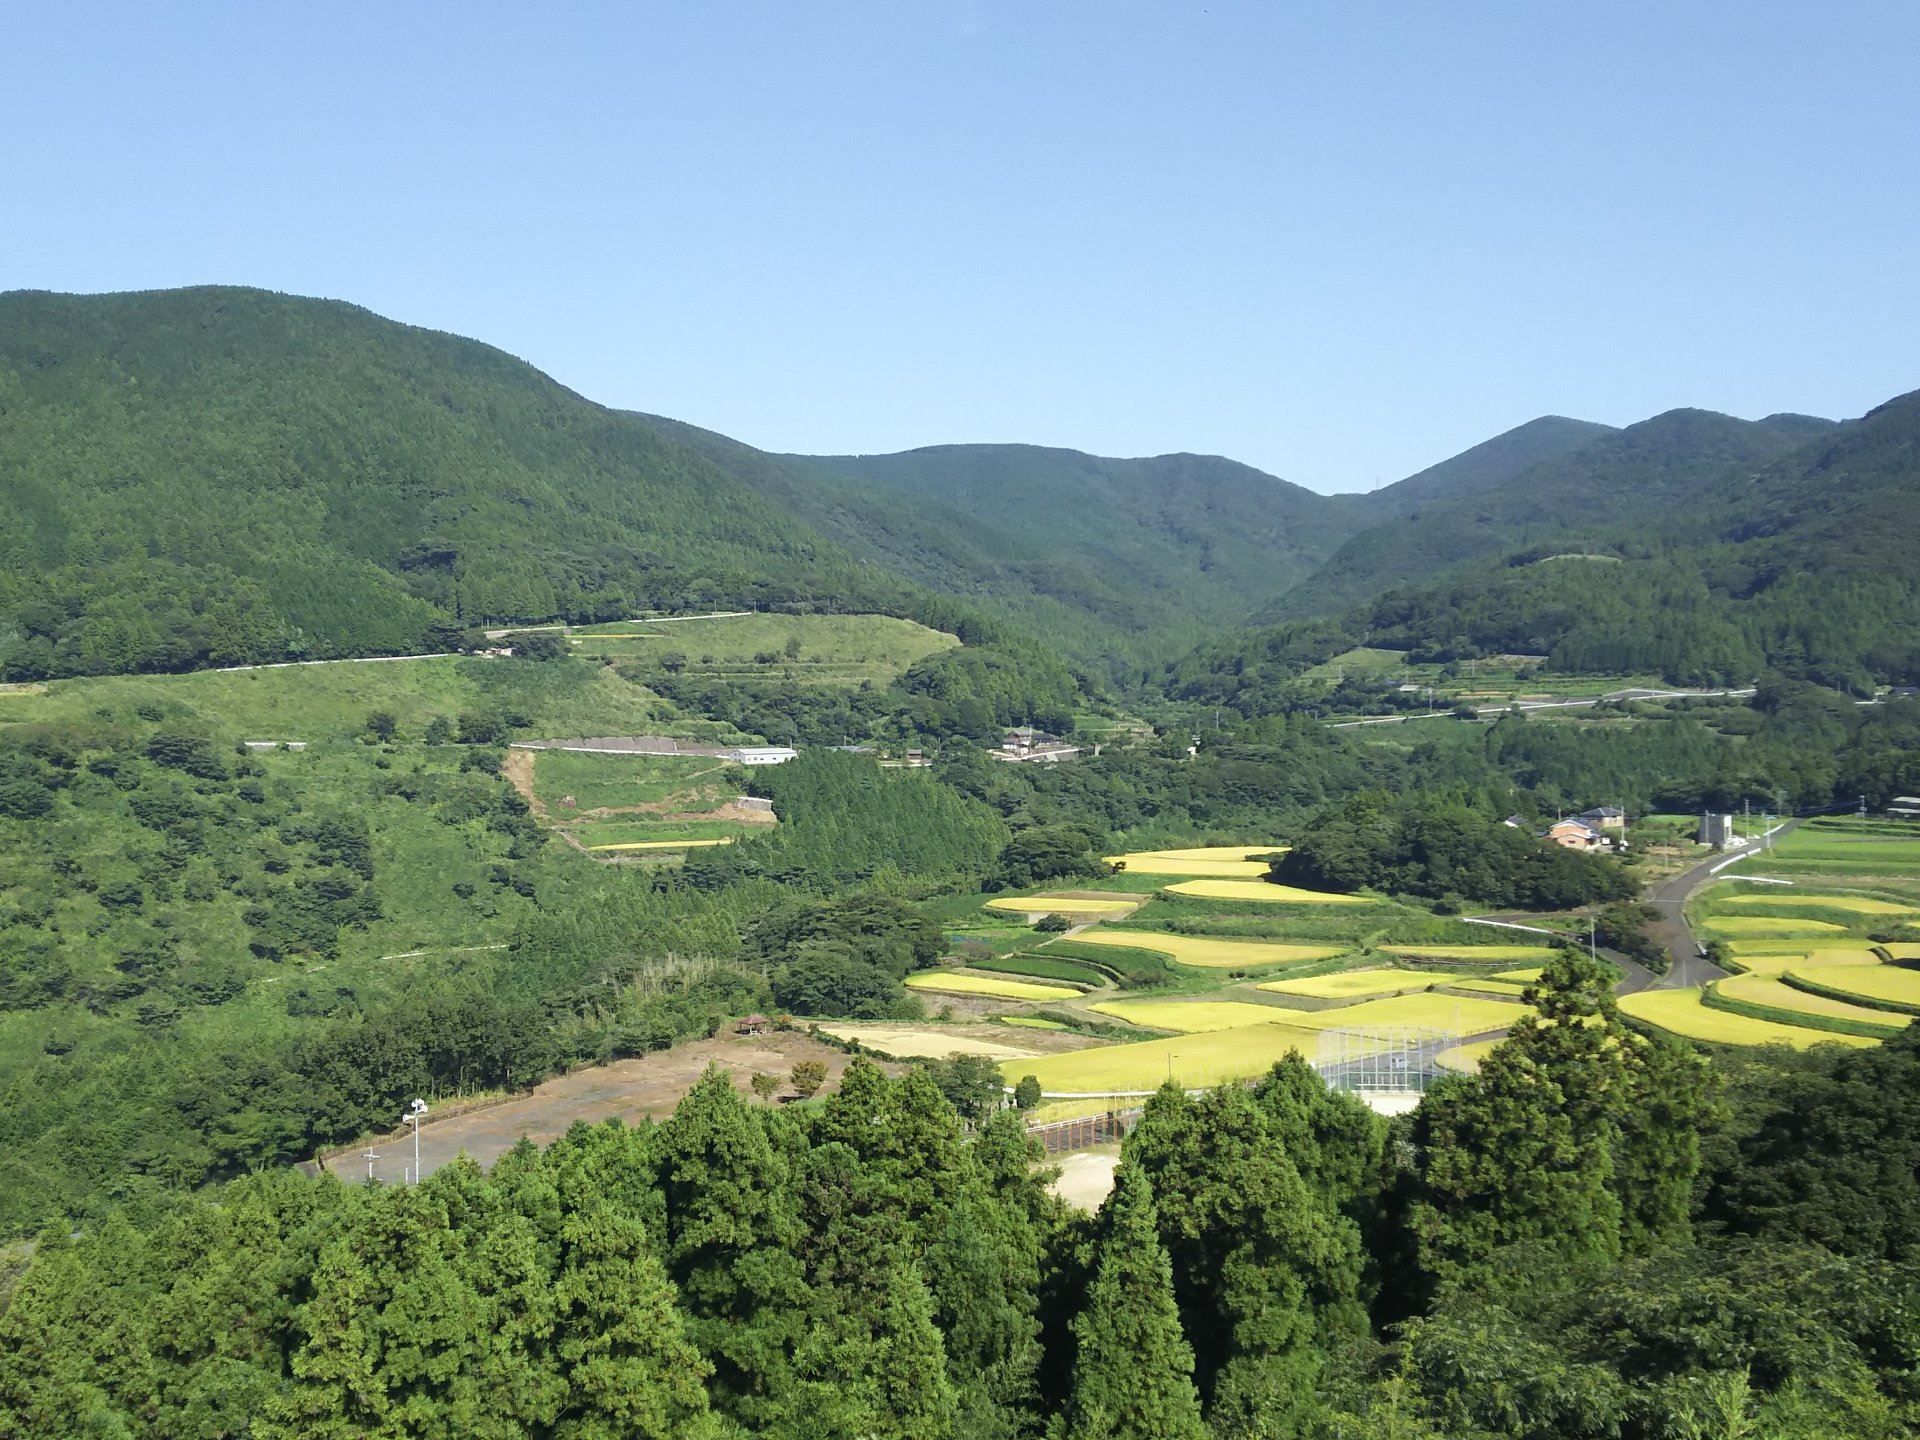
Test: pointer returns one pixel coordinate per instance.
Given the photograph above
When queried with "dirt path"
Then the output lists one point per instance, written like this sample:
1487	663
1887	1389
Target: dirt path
648	1085
1086	1176
517	766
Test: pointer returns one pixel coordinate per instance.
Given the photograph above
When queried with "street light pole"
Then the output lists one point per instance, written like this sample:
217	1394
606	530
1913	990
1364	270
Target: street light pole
416	1112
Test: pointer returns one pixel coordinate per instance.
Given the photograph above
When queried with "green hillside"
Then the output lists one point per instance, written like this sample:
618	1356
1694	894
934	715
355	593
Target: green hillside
218	475
1115	562
1623	475
1801	565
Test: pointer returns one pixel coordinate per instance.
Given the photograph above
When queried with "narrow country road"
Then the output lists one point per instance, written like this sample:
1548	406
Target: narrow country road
1688	970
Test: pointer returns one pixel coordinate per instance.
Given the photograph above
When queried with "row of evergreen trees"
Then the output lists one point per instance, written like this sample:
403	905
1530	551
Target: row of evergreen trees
1585	1240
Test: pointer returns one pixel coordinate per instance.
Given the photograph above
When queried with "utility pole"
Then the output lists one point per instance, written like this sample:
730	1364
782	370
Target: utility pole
371	1155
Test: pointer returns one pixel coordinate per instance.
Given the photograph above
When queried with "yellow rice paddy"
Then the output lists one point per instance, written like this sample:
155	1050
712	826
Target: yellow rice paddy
1215	1057
1767	925
1260	891
1490	954
1202	854
1206	953
1776	899
1684	1013
905	1041
1192	1017
1063	905
1873	982
1804	956
1168	865
1462	1014
1465	1058
1348	984
950	984
1775	993
663	844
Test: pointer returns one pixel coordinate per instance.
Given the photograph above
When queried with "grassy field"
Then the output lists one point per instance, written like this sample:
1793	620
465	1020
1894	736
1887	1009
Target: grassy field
630	846
1032	1022
1060	905
1261	892
1042	967
327	702
1215	1057
1347	984
1205	953
1685	1013
946	982
804	649
570	780
1509	989
1490	954
633	803
667	833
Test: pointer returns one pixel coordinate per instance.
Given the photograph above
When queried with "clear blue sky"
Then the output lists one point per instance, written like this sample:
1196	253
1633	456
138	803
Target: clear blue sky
1336	241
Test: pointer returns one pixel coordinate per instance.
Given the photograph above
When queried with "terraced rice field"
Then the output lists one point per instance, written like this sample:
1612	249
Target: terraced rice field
1032	1022
1684	1013
1216	1057
1192	1017
1352	984
1490	954
1063	905
1775	900
1259	891
1205	953
1890	983
906	1041
1903	950
1224	861
950	984
1463	1015
1762	959
1771	991
1767	925
659	844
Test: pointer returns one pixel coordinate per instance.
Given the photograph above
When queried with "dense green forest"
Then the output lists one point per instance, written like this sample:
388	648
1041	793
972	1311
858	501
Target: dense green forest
1598	1236
1801	566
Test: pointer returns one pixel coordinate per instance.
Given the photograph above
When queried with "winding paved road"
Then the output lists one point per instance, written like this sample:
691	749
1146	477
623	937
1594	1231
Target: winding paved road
1688	970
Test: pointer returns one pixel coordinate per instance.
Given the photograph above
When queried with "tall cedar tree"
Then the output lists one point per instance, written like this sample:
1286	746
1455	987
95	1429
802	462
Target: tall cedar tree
1133	1373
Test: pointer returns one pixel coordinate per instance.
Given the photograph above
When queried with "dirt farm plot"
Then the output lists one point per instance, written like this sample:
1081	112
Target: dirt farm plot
648	1085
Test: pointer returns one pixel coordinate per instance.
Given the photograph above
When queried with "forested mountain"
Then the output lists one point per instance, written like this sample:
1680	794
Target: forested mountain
1490	463
1624	475
221	475
1124	560
1802	565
